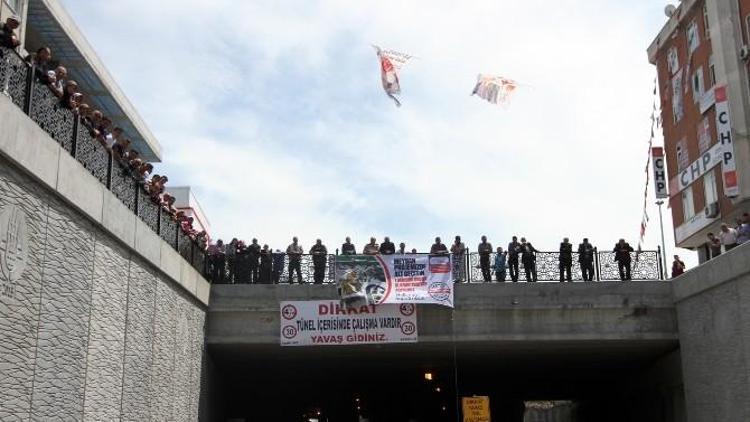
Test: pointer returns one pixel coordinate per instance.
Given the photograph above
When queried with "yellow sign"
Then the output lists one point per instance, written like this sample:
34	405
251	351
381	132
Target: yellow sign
476	409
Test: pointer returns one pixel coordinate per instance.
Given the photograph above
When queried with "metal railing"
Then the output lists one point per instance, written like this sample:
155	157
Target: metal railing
17	81
245	268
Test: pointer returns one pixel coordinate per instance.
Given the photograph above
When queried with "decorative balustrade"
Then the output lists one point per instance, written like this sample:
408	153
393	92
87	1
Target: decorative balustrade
168	229
92	155
40	103
645	266
148	210
50	114
14	77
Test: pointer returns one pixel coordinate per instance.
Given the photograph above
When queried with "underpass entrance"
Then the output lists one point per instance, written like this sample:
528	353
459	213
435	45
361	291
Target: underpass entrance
577	381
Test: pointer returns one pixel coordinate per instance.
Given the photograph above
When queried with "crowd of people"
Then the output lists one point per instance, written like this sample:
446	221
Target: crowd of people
55	76
265	265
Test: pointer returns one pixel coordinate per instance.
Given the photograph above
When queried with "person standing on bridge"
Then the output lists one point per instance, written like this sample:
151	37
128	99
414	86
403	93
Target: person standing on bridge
438	248
714	246
371	248
678	267
458	249
514	249
348	247
278	266
528	258
586	259
500	260
216	261
743	230
401	249
485	252
622	252
728	237
266	265
320	256
566	260
254	257
295	252
387	247
230	253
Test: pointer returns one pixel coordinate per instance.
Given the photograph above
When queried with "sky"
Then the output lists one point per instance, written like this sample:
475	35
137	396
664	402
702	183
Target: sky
274	113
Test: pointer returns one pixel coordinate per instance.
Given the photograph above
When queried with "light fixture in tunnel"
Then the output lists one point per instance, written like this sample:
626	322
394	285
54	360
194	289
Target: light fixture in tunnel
437	389
428	376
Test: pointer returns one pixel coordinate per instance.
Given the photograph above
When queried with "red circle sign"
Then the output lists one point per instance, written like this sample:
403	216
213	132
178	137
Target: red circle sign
408	328
288	312
289	332
407	309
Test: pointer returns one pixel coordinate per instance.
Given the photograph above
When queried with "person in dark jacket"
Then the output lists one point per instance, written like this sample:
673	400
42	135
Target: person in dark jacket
387	247
514	249
485	253
253	252
278	266
586	259
528	258
319	256
348	247
566	260
622	252
8	37
438	248
678	267
266	261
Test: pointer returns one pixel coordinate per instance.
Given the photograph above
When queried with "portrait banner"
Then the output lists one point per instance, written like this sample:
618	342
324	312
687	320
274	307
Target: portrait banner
412	278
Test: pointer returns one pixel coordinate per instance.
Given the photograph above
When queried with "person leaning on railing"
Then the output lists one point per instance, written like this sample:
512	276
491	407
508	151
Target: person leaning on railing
295	251
320	256
40	61
622	252
586	259
8	37
56	79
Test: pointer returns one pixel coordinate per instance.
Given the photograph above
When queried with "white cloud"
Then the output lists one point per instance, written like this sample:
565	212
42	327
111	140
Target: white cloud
274	112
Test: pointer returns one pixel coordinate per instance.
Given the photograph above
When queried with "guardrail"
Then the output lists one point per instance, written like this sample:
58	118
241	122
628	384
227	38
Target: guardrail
645	266
35	99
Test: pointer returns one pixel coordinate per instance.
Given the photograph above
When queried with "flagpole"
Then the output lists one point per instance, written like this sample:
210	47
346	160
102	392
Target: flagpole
663	248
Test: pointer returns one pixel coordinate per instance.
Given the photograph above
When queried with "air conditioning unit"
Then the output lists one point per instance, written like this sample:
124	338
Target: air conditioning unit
712	210
745	52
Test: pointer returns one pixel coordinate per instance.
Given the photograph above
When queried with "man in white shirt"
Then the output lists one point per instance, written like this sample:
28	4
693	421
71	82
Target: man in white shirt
295	251
728	237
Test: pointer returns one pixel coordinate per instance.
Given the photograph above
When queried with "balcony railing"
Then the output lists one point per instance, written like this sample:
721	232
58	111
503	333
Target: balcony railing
645	266
17	81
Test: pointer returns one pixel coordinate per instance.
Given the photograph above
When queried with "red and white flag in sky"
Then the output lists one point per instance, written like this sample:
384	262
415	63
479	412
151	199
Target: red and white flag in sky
391	63
494	89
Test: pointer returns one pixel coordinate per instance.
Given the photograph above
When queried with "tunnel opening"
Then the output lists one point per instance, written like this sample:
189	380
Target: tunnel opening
524	382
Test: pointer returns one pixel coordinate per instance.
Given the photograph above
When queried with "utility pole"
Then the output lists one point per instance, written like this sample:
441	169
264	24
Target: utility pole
663	248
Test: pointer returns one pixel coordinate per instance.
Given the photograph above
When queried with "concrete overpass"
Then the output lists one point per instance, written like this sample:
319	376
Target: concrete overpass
588	342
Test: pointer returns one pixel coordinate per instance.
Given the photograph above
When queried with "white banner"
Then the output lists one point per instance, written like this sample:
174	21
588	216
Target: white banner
329	323
407	278
660	173
697	169
724	131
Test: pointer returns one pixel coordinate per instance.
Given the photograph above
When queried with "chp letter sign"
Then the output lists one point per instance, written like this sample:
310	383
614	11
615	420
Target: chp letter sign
660	173
724	129
328	323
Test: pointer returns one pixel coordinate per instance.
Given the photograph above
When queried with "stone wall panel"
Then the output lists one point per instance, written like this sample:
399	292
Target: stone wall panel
109	301
20	295
64	318
162	373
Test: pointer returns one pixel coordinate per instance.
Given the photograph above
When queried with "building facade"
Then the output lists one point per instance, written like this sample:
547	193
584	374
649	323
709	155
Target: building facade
702	58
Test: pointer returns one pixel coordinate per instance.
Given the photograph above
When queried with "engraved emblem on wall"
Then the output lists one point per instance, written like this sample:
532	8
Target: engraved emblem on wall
13	248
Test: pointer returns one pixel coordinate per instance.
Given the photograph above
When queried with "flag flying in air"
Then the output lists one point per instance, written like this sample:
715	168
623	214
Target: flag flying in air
391	63
494	89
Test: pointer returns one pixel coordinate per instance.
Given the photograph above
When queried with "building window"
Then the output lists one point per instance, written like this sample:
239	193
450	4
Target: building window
709	184
711	71
706	27
746	33
693	37
682	157
677	106
698	84
688	208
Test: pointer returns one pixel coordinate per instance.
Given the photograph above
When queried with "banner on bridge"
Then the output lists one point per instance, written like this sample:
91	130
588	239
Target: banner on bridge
329	323
476	409
376	279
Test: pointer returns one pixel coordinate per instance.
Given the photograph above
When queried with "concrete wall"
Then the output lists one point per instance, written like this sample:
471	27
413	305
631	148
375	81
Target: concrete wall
713	310
90	328
249	314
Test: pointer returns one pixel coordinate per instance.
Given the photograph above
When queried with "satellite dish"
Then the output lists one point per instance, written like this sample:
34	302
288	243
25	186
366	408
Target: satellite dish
669	10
